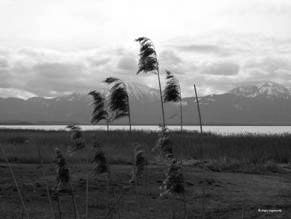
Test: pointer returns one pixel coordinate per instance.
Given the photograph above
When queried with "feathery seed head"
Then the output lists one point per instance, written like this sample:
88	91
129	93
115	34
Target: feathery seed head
118	99
110	80
147	56
172	91
99	112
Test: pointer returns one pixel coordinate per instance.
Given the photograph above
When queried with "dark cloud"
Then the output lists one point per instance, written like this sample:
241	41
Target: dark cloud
206	85
60	78
269	64
3	63
127	64
223	68
58	71
97	62
47	73
169	60
169	56
205	49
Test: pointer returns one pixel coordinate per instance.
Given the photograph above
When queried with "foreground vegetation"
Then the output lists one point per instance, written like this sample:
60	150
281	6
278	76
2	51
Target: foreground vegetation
26	146
225	176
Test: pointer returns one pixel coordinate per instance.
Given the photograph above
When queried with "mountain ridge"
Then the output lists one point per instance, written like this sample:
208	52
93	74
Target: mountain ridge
264	103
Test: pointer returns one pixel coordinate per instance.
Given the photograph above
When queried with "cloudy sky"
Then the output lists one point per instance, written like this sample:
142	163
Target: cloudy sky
54	47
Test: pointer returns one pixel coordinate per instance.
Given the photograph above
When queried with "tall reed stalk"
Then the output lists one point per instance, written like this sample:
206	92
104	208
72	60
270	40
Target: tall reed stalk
46	184
198	108
78	143
76	212
15	182
148	62
87	187
59	206
161	97
63	174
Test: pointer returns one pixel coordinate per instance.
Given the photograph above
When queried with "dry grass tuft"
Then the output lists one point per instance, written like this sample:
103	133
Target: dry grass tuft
63	175
100	162
139	165
174	182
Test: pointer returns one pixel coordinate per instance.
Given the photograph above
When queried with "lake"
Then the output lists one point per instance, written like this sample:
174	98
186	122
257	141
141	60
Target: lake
224	130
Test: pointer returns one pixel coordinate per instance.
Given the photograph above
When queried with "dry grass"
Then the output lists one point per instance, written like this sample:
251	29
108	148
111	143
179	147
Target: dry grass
223	190
22	146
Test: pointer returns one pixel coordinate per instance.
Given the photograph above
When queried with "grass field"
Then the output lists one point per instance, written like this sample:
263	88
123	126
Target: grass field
24	146
239	174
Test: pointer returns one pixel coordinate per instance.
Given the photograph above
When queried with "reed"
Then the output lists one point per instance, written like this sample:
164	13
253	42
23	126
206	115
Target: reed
140	162
100	108
198	108
225	152
172	93
148	62
78	143
119	99
46	184
63	180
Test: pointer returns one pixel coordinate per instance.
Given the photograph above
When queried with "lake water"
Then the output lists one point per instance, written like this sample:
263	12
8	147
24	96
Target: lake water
224	130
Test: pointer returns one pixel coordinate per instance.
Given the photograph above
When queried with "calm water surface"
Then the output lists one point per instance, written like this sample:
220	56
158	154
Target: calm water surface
224	130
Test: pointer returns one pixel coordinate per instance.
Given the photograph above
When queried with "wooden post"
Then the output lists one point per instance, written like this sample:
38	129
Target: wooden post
198	108
107	125
128	108
181	111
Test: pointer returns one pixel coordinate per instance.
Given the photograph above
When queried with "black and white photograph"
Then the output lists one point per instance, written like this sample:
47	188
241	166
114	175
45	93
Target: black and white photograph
131	109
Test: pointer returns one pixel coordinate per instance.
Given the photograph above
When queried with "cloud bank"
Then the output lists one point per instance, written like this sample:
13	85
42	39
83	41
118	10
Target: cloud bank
44	72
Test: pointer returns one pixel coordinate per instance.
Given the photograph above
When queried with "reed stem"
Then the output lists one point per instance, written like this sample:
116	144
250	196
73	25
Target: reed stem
162	102
15	182
47	186
198	108
76	213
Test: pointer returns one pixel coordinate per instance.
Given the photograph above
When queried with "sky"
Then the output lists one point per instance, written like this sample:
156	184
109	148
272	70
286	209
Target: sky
55	47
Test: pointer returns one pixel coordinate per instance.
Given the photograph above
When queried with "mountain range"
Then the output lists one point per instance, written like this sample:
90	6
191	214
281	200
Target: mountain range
263	103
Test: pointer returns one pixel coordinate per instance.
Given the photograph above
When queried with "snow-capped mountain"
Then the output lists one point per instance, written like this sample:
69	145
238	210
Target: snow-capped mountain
142	92
267	88
264	103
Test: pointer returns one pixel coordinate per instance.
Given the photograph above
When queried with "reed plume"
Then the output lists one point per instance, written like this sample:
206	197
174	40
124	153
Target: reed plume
118	99
100	111
172	93
172	90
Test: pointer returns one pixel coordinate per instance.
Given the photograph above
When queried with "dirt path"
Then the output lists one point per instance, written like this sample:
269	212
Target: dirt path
227	195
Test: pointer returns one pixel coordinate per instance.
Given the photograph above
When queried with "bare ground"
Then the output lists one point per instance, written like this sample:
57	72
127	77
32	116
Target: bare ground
226	194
